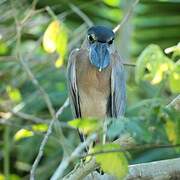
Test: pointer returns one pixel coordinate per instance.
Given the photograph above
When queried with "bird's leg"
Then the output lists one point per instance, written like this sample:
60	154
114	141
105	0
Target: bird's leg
104	131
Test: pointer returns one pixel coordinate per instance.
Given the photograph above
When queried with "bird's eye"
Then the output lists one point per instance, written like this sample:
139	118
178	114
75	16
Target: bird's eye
91	38
110	41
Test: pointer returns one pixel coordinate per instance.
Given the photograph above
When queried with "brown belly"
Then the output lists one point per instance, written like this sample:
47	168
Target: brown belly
94	89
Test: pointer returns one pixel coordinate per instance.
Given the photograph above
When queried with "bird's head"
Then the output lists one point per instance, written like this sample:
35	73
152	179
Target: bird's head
100	40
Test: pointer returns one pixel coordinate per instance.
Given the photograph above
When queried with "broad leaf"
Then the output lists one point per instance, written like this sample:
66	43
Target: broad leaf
152	65
50	37
56	39
14	94
114	163
86	125
174	78
23	133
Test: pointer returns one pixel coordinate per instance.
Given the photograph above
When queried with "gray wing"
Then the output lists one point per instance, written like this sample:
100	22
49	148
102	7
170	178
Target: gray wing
118	88
72	85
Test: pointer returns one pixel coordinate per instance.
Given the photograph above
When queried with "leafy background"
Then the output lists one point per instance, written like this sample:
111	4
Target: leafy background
150	86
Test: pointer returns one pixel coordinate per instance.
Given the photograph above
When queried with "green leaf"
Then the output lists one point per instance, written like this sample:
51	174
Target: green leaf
61	44
40	127
114	3
152	65
174	78
114	163
3	48
14	94
22	133
86	125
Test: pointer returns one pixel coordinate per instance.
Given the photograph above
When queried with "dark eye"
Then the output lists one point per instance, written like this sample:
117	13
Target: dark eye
91	38
111	41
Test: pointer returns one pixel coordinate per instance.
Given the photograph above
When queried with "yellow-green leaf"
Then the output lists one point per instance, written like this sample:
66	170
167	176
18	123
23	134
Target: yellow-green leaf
59	62
3	48
152	65
40	127
114	163
86	125
174	79
62	41
115	3
56	39
170	127
23	133
14	94
50	36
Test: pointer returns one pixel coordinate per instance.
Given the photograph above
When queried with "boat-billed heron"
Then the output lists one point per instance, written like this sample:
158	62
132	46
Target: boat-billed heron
96	77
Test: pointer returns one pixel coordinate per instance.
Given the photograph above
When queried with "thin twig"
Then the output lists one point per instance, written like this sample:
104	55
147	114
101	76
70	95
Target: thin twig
175	103
137	147
80	13
126	17
65	162
44	95
129	64
45	139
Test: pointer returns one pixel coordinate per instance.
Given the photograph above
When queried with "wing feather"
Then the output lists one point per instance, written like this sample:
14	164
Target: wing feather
118	88
72	85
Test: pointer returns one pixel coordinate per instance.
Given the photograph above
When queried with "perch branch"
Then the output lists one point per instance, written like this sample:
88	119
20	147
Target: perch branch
65	162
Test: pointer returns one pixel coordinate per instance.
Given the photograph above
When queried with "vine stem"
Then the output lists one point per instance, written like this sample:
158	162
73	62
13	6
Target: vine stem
6	153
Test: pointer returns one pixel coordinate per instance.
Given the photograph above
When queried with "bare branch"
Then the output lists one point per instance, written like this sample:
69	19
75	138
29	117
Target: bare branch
175	103
164	169
126	17
80	13
45	139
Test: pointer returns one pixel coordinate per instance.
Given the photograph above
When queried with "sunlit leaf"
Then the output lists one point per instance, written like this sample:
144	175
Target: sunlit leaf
12	177
23	133
112	2
152	65
114	163
174	79
170	130
59	62
50	36
14	94
86	125
62	41
56	39
3	48
40	127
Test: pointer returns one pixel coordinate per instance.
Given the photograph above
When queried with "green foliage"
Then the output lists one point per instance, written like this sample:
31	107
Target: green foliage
86	125
114	163
14	94
154	66
174	78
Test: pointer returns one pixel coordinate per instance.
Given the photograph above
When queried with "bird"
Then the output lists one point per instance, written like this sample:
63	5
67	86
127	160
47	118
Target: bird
96	77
